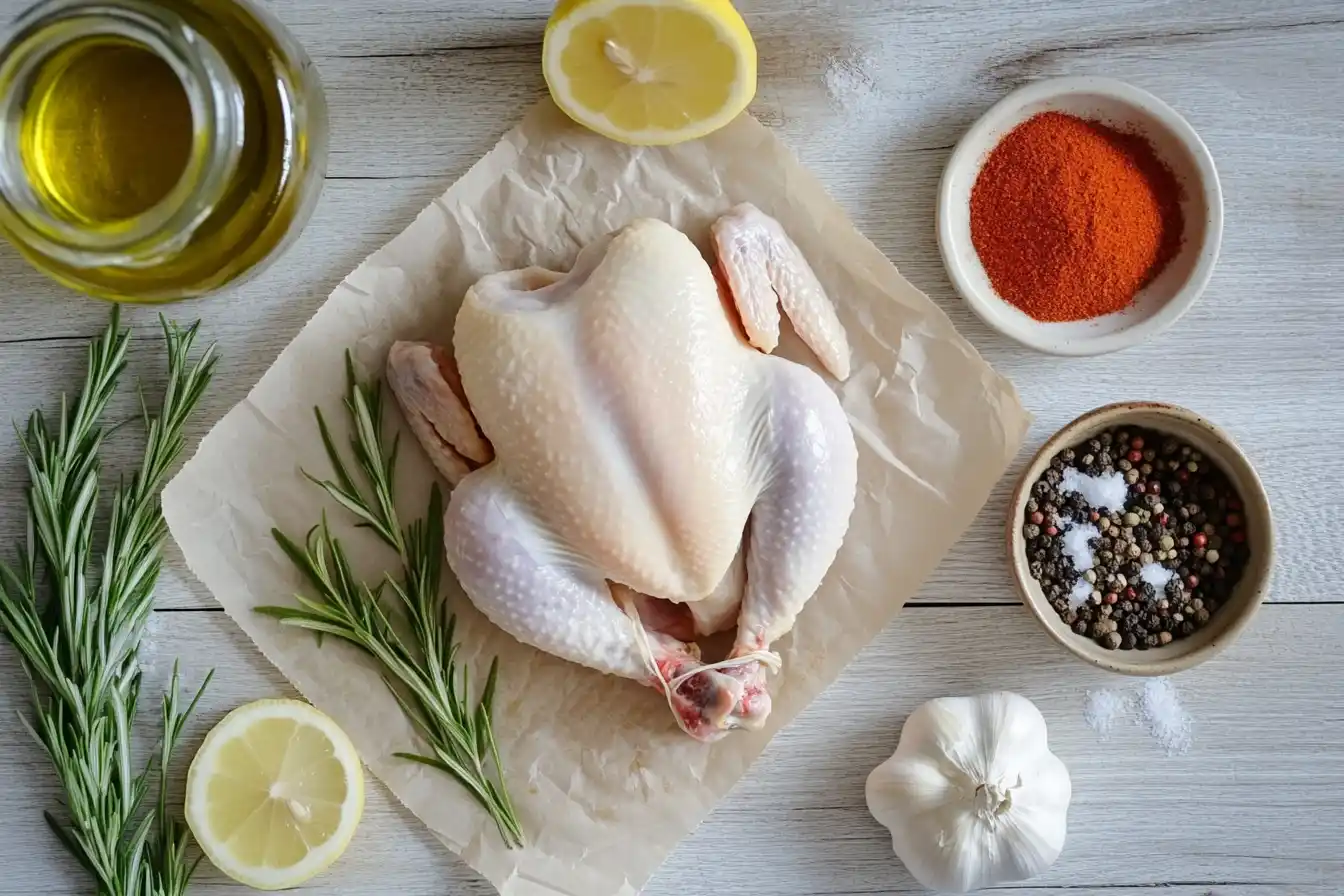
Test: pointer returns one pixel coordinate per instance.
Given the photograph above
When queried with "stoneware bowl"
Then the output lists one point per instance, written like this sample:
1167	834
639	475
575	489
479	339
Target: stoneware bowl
1125	108
1228	620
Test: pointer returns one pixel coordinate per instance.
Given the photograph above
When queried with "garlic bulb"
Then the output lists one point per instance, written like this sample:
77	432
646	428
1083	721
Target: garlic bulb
973	796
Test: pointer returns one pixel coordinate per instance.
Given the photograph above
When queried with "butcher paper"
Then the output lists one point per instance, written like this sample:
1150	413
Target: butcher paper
604	782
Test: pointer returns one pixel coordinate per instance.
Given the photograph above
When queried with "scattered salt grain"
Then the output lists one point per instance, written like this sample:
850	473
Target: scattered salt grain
1167	720
850	83
1103	492
1156	575
1075	545
1082	590
1154	706
1103	708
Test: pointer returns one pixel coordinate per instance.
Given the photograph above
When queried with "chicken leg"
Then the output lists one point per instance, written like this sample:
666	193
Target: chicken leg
532	587
796	527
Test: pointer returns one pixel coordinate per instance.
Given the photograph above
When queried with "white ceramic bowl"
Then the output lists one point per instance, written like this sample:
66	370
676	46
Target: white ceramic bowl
1125	108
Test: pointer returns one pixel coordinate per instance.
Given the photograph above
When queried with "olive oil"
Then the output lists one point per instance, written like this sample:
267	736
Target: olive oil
156	150
107	132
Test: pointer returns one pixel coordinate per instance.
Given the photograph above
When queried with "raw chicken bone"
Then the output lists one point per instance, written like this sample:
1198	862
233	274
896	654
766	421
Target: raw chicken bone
632	468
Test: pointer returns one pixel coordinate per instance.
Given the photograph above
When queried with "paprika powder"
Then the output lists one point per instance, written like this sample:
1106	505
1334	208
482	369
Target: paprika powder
1071	218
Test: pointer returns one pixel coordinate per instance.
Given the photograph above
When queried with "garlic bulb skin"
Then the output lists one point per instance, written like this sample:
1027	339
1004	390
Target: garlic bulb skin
973	796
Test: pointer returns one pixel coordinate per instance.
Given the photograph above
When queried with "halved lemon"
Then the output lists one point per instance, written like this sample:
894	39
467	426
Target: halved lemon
275	793
649	72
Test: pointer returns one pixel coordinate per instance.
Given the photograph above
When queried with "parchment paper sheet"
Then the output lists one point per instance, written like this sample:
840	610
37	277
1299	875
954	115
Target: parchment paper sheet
605	783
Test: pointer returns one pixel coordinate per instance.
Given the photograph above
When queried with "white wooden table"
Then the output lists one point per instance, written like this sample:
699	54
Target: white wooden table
420	88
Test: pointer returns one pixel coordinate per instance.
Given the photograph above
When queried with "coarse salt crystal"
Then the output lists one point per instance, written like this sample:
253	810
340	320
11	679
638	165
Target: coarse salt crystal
1075	545
1082	590
1103	708
1167	720
1156	575
1106	492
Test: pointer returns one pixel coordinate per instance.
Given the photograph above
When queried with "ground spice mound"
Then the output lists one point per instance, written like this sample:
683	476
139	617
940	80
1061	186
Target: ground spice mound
1071	218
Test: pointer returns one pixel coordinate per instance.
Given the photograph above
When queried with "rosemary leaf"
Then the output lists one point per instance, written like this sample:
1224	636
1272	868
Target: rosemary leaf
76	617
422	673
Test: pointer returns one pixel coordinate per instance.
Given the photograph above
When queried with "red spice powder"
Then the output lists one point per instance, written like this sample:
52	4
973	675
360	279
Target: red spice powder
1072	218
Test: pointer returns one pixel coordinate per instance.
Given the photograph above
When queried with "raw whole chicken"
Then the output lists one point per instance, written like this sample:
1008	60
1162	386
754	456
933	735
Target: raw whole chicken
631	468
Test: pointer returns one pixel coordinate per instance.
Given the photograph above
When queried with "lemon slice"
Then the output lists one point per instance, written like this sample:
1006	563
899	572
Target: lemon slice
649	72
275	793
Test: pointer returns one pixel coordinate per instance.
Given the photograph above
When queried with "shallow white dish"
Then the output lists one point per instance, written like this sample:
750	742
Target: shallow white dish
1125	108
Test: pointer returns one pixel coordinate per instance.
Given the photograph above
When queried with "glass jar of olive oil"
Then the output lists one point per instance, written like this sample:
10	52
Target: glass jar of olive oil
156	149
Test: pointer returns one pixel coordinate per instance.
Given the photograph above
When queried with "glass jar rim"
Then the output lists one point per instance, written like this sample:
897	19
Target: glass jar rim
216	104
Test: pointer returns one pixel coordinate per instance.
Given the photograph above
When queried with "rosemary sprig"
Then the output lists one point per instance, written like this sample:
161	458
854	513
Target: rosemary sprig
421	672
77	624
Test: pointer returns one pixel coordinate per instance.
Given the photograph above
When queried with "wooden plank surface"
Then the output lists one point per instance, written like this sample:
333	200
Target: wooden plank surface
421	88
1250	805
